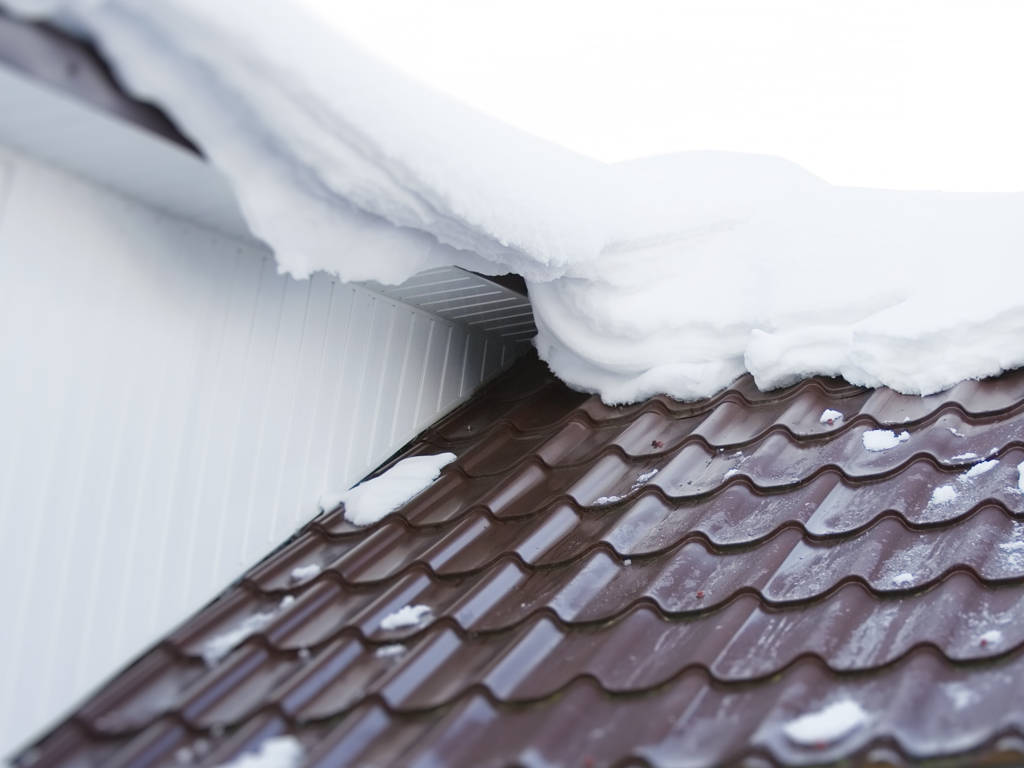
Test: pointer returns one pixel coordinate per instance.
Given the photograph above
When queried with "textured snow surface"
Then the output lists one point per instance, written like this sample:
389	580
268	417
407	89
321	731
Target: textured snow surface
276	752
826	726
372	499
1020	477
671	274
409	616
903	579
883	439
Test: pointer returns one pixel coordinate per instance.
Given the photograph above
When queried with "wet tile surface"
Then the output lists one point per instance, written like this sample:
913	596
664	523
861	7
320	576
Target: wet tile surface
661	584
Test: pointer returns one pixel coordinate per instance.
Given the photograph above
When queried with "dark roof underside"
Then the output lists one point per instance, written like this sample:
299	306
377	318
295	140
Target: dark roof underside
586	612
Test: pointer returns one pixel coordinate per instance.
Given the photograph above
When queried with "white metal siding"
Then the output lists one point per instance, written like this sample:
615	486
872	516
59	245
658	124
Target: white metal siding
170	409
469	299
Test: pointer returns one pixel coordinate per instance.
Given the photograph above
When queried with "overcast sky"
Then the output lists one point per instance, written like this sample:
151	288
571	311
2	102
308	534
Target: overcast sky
886	93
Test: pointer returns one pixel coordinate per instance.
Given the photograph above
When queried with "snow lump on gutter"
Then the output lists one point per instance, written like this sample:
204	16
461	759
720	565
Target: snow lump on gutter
666	275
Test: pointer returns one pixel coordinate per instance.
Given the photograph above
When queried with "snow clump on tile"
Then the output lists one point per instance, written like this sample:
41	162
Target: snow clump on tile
409	616
883	439
316	142
830	417
981	468
372	499
275	752
992	637
827	726
943	494
219	646
903	579
304	572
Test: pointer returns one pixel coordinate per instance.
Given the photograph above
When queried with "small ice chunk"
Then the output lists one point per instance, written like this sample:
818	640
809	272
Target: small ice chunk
883	439
955	432
964	456
601	500
902	579
627	561
644	477
992	637
304	572
276	752
729	473
287	600
943	494
981	468
372	499
184	755
387	651
830	417
834	722
409	616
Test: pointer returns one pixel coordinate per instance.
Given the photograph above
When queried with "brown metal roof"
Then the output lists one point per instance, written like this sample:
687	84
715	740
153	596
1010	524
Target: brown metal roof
588	612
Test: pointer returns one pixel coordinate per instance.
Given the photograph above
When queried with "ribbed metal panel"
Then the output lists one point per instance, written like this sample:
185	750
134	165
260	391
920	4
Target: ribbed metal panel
470	299
171	409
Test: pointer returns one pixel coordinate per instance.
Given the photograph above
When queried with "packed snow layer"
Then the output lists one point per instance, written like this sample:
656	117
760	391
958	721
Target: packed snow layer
372	499
827	726
671	274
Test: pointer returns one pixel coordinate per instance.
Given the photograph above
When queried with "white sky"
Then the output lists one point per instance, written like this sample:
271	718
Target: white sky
886	93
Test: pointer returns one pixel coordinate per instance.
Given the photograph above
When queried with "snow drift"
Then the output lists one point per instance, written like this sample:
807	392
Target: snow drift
671	274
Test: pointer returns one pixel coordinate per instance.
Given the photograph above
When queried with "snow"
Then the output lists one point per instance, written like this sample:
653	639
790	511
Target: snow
304	572
903	579
955	432
644	477
387	651
830	417
981	468
218	646
409	616
883	439
603	500
943	494
964	456
992	637
372	499
826	726
275	752
673	274
1020	477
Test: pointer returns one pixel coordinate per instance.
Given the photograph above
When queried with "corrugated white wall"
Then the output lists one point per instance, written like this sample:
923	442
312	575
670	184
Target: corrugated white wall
170	409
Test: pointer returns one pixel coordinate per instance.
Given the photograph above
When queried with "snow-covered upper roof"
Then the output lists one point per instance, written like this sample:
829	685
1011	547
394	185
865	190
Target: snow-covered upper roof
671	274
